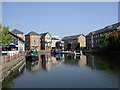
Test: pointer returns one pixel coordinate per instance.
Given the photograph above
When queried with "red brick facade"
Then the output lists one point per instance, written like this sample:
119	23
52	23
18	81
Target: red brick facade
32	40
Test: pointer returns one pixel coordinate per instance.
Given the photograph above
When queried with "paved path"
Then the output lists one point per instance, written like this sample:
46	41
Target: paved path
9	65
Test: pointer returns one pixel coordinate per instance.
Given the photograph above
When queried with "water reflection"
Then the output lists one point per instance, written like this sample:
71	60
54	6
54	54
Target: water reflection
82	62
33	65
104	62
47	61
69	66
9	81
79	60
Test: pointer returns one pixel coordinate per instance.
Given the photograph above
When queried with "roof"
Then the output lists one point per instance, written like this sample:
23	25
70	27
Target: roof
55	38
107	28
32	33
16	36
43	34
114	33
15	31
98	31
71	37
112	27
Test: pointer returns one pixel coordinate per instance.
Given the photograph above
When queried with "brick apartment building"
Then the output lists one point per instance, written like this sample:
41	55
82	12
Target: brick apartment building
93	38
32	39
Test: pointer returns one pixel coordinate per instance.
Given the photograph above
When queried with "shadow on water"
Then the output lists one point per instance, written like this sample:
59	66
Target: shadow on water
9	81
104	62
107	63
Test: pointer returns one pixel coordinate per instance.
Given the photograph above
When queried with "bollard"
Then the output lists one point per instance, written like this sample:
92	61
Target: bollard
14	56
8	58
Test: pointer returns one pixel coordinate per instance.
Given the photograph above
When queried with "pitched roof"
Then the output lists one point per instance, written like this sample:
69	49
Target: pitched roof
98	31
107	28
71	37
15	31
55	38
32	33
112	27
16	36
43	34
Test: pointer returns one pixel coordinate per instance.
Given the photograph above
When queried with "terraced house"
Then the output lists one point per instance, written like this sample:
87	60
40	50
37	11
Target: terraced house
93	38
32	39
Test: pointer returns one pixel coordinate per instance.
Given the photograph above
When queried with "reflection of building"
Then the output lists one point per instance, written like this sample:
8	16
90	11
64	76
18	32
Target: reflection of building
59	57
54	61
54	40
32	39
46	41
75	42
48	61
82	61
94	62
70	59
93	38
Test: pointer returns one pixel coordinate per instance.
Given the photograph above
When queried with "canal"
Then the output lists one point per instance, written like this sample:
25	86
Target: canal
67	71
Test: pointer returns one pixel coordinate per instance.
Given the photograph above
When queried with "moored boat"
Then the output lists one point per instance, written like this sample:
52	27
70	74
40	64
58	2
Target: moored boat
32	55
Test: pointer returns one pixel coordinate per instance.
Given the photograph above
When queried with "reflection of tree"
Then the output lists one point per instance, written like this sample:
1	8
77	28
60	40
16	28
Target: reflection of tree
104	62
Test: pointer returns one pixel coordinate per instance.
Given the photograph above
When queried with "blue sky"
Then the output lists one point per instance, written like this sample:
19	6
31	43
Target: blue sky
59	18
0	12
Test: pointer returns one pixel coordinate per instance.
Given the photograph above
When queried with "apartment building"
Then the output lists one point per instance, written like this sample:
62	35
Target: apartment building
46	41
93	38
32	39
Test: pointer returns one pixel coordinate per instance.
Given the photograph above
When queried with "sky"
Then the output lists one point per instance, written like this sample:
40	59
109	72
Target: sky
59	18
0	12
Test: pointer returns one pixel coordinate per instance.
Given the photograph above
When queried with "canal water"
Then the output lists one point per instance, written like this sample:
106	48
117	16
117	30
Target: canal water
67	71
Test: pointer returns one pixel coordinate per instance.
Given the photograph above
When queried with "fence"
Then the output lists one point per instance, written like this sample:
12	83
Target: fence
10	57
44	51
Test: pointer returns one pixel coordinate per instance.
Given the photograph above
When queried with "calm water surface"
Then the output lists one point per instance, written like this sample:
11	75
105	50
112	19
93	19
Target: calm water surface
67	71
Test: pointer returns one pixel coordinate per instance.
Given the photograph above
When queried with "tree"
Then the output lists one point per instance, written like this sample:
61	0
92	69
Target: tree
5	37
114	41
104	40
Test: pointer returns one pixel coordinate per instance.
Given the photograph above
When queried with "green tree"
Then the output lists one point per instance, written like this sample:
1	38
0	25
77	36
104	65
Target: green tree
114	41
5	37
104	40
